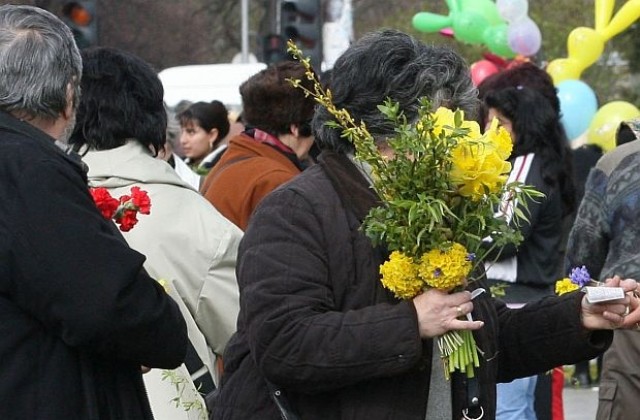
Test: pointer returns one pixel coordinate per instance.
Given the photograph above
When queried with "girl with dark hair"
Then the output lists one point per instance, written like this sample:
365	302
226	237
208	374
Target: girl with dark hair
203	127
541	157
535	128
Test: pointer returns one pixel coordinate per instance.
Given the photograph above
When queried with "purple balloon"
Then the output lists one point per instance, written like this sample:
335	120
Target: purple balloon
524	37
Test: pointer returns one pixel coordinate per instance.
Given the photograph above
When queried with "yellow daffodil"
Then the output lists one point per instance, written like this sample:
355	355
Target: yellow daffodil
565	286
443	117
500	138
477	168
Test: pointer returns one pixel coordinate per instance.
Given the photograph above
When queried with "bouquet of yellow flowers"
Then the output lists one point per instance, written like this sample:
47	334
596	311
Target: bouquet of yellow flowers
441	188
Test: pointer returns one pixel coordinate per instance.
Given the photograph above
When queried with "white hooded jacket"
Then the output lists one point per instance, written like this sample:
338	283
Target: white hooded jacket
187	242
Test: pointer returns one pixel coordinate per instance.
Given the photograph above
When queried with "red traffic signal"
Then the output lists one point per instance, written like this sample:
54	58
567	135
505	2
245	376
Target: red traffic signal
76	13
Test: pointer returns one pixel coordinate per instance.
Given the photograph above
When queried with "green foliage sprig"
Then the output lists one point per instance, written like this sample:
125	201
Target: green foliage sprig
422	208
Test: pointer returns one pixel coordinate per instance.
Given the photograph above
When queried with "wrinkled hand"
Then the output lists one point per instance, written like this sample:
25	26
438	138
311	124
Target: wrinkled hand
438	312
621	313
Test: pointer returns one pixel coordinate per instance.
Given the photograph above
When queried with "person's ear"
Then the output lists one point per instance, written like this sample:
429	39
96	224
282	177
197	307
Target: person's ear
70	107
213	136
293	129
301	130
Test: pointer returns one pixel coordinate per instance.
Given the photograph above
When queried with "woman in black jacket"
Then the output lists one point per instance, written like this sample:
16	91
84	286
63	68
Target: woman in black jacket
541	157
318	335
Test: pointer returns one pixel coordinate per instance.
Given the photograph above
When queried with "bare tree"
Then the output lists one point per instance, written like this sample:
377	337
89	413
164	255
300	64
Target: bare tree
175	32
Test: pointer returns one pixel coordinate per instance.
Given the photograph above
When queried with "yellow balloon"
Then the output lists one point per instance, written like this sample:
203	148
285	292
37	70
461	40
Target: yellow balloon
585	45
603	127
627	15
604	11
564	69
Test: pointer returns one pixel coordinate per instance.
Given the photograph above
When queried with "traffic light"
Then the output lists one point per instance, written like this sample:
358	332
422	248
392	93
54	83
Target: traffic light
274	49
301	21
80	16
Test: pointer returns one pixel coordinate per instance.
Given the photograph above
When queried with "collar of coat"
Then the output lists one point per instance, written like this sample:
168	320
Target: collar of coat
353	188
10	123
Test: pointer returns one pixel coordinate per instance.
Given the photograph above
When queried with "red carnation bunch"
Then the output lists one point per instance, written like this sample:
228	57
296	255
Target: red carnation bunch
123	211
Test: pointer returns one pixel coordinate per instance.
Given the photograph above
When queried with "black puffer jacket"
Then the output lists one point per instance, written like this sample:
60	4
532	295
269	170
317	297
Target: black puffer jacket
315	321
78	314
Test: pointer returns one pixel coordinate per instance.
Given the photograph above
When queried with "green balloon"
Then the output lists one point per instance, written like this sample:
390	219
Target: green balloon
469	27
486	8
430	22
497	40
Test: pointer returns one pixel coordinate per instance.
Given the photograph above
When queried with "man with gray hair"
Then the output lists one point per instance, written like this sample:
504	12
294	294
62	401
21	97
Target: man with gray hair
79	317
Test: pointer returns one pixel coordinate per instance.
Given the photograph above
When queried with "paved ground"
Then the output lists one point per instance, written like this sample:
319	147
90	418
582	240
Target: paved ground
580	404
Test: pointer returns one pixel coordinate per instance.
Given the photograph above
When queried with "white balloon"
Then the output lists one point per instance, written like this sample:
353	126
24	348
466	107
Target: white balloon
512	10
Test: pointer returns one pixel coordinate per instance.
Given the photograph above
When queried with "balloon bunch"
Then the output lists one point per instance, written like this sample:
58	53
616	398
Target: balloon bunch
472	21
581	116
585	45
523	35
578	103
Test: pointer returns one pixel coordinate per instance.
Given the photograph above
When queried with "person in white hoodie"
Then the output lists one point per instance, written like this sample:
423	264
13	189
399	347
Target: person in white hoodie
121	123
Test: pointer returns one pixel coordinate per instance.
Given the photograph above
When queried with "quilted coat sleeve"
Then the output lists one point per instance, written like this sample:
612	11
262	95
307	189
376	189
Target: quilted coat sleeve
78	277
298	334
545	334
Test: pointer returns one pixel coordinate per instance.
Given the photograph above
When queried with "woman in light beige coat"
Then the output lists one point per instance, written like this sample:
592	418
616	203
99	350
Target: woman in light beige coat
187	242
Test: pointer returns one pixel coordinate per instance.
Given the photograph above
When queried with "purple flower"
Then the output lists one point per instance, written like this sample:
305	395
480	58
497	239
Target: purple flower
580	276
471	256
437	273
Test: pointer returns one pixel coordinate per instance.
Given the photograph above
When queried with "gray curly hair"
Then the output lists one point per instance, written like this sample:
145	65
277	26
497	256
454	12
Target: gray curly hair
391	64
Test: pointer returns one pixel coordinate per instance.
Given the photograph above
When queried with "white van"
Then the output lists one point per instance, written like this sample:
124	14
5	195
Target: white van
207	82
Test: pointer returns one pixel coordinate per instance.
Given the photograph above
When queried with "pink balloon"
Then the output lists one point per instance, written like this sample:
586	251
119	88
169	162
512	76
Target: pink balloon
524	37
482	69
448	32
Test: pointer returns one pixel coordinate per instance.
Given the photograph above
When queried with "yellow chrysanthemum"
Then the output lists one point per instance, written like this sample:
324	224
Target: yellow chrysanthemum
400	275
445	270
565	286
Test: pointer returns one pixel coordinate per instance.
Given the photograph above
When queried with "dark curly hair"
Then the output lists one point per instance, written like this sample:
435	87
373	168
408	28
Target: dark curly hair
121	99
208	115
271	103
525	74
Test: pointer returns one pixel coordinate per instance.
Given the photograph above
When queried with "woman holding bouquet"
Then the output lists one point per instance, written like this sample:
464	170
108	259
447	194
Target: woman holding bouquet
319	337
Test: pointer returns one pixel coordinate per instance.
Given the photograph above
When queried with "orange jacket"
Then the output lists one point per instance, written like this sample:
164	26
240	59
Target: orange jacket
246	173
